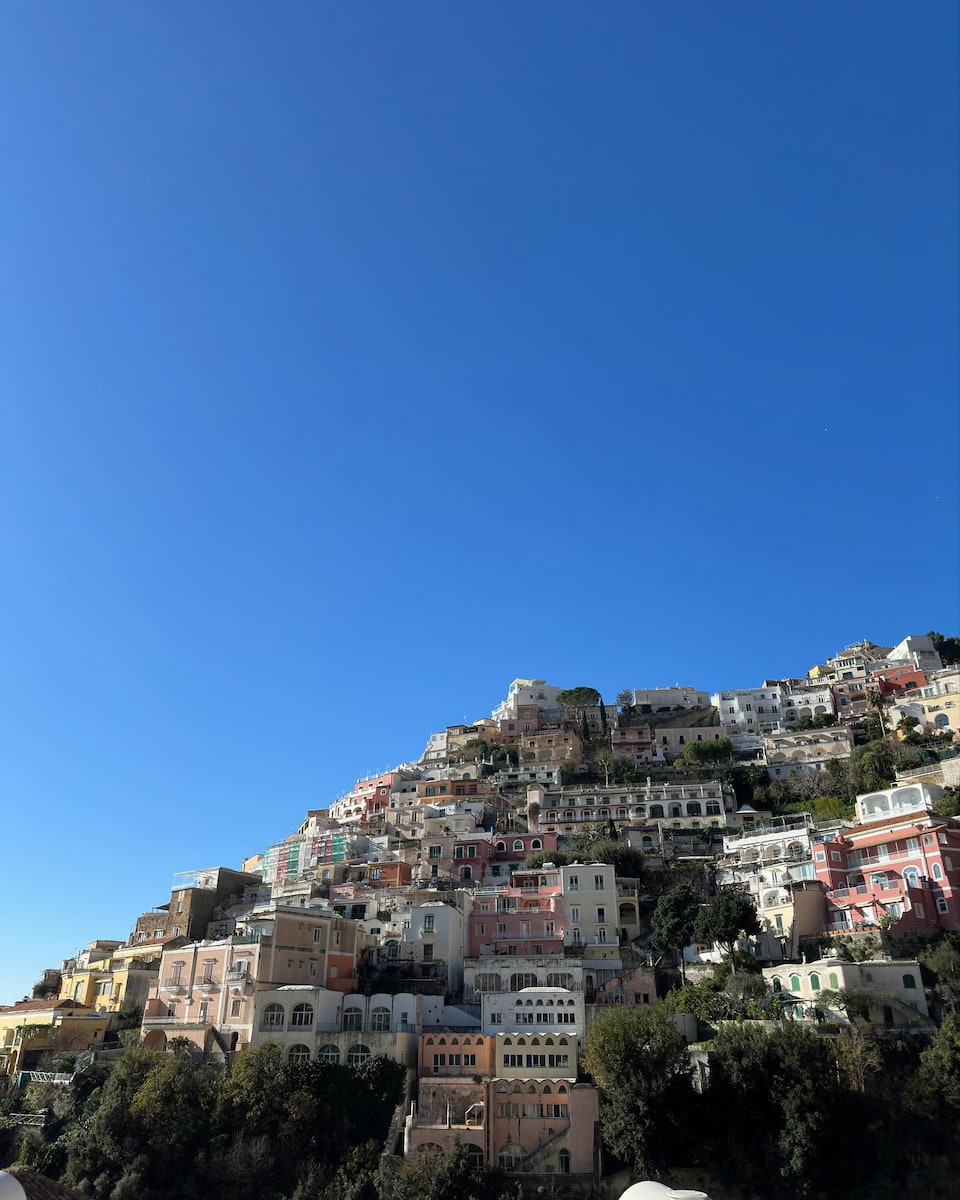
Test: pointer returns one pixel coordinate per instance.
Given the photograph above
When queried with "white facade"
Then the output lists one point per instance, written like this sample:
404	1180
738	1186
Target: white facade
437	933
526	691
750	710
896	984
670	698
894	802
533	1009
918	650
436	749
807	704
501	973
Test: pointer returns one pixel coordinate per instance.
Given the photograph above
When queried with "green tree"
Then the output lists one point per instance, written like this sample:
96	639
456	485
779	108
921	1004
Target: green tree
449	1175
717	751
671	926
871	767
640	1062
625	697
730	915
942	960
947	647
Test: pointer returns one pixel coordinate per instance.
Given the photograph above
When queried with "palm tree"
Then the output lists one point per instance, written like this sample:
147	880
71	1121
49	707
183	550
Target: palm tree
875	700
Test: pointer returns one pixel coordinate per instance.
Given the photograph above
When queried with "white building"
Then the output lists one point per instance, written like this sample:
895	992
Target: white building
917	650
437	934
526	691
895	984
895	801
533	1009
789	752
669	698
750	710
806	703
502	974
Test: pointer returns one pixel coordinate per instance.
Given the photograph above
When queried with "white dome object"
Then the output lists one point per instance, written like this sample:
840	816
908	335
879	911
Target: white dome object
10	1188
658	1191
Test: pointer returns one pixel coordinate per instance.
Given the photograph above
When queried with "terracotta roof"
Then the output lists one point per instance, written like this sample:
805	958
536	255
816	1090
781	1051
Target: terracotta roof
41	1006
38	1187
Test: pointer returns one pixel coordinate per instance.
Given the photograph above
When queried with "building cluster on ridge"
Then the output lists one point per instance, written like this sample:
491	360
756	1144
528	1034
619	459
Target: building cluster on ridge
409	917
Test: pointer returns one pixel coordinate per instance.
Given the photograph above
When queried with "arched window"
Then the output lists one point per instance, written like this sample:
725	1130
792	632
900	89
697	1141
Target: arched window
909	981
794	983
522	979
562	1089
329	1054
466	873
488	982
656	810
911	876
937	871
694	809
352	1019
502	846
380	1020
563	1162
776	984
518	845
536	844
834	980
272	1017
302	1016
298	1053
815	982
357	1054
713	808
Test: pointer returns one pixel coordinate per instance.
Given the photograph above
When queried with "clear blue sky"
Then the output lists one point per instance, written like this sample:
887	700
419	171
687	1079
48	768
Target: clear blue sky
357	359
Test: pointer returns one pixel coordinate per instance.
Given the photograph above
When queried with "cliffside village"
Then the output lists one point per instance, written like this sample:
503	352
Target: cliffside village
407	918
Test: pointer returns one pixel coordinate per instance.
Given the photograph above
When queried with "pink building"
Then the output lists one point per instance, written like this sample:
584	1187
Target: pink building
463	859
522	918
367	801
632	744
902	871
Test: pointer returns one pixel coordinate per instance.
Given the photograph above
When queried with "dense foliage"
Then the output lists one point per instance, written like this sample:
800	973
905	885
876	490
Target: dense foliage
166	1127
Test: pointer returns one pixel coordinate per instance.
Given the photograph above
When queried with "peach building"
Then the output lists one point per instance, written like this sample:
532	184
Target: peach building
207	990
512	1100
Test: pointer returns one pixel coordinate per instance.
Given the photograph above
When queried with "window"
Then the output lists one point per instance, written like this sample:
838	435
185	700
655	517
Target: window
601	913
380	1020
428	924
298	1053
235	1006
598	883
574	883
318	935
357	1054
575	913
272	1017
427	951
434	851
352	1020
909	981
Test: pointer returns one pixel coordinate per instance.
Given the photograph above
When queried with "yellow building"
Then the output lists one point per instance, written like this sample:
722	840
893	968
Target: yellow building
36	1025
110	977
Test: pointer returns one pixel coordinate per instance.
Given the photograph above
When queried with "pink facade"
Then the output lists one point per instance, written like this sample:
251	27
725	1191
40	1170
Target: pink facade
527	720
516	847
368	800
632	744
903	872
462	859
524	918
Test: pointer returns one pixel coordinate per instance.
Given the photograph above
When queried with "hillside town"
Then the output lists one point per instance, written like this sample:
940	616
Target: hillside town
473	912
